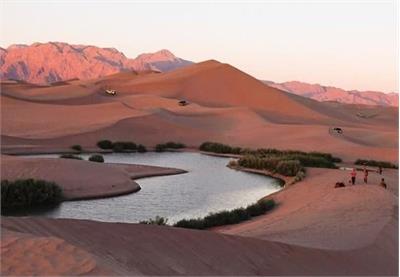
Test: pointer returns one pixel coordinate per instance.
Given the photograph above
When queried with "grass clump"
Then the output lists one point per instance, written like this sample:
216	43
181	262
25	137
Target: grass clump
158	220
314	159
141	148
28	193
273	164
123	146
227	217
169	145
105	144
382	164
288	167
70	156
76	147
96	158
219	148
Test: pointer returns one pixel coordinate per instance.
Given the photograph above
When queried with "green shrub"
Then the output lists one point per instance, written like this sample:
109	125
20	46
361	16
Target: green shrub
96	158
219	148
300	175
311	161
288	168
70	156
105	144
76	147
160	148
121	146
376	163
156	221
169	145
27	193
227	217
316	158
174	145
141	148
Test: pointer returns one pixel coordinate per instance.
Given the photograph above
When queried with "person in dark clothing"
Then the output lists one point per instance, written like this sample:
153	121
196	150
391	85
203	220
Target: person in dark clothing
353	175
383	184
365	175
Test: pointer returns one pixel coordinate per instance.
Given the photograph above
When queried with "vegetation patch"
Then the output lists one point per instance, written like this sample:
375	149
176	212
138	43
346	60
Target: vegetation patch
219	148
141	148
124	146
96	158
70	156
228	217
382	164
263	152
169	145
28	193
76	147
105	144
158	220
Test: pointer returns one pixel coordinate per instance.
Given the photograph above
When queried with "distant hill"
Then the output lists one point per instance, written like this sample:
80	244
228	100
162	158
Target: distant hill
42	63
326	93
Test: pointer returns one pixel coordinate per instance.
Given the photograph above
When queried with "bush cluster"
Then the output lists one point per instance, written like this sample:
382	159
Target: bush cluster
227	217
105	144
76	147
158	220
376	163
306	158
121	146
288	167
70	156
169	145
141	148
219	148
27	193
273	164
96	158
310	160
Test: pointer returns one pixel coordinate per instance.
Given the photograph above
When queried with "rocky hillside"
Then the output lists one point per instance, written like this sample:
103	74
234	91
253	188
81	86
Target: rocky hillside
326	93
42	63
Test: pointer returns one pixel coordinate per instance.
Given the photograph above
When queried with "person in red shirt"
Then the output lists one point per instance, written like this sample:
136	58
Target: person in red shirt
353	175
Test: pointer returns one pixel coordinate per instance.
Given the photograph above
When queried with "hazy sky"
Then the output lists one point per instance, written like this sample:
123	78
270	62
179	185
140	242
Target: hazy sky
348	44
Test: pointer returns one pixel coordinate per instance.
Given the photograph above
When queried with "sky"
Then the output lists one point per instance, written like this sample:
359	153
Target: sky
347	44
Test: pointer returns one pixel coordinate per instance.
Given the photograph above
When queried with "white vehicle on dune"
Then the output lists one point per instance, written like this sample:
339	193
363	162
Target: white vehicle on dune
111	92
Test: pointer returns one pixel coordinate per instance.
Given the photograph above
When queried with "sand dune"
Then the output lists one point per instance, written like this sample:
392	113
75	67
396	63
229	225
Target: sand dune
226	105
124	249
81	179
314	214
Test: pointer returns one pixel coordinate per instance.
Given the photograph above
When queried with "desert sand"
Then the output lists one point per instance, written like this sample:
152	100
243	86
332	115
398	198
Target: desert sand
315	229
81	179
227	105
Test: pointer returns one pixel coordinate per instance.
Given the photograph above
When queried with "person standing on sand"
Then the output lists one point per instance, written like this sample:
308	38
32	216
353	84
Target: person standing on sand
365	175
383	184
353	175
380	170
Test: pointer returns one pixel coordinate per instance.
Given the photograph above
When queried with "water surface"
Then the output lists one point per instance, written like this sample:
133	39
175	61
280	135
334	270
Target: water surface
209	186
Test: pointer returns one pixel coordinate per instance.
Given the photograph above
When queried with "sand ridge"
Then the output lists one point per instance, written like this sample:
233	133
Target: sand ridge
226	105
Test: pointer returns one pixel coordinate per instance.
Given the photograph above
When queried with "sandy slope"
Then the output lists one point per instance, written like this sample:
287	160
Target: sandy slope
24	254
131	249
314	230
227	105
314	214
81	179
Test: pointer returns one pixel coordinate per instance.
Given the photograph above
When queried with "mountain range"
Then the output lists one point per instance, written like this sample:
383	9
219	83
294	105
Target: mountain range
44	63
327	93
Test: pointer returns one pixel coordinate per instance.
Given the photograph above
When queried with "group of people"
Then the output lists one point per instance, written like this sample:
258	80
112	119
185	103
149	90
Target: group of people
353	175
